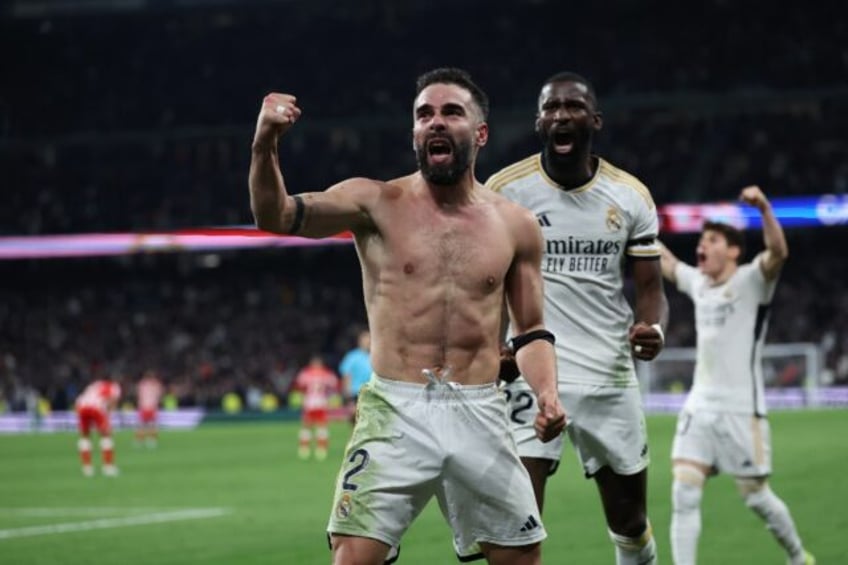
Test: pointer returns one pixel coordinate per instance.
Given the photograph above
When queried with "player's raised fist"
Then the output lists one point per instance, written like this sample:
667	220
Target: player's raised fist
754	196
278	113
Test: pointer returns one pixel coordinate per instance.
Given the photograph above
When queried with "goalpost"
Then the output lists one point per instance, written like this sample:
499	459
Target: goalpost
792	373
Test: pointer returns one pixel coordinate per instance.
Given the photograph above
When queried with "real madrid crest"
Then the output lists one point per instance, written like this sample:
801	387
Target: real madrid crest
344	507
613	219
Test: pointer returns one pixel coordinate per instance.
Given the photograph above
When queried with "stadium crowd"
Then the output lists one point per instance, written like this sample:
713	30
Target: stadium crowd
149	128
152	112
211	324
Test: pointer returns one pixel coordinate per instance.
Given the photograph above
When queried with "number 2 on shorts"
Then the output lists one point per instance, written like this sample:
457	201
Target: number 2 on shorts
360	459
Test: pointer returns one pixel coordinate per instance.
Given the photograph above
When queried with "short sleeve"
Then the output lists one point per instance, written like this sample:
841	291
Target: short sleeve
754	278
686	277
642	242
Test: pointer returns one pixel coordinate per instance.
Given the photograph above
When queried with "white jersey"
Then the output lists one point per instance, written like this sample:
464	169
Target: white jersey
731	321
588	231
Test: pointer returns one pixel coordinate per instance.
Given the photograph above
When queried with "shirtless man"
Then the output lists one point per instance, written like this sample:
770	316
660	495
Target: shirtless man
439	252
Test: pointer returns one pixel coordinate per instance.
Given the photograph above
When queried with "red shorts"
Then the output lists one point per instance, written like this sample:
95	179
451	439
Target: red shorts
147	415
315	417
88	416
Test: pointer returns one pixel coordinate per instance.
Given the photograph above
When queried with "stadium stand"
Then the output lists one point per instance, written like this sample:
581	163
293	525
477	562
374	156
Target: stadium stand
142	120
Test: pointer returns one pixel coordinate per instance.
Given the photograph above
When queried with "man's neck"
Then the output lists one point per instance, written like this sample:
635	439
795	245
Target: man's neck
569	173
451	196
725	275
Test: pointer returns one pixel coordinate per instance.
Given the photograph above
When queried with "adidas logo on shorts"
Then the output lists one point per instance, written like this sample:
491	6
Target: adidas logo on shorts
530	524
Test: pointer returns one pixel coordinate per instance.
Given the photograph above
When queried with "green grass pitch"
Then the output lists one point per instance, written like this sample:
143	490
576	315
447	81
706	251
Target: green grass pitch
274	507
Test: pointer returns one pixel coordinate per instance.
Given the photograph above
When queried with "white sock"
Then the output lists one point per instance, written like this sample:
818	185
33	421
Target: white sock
685	520
641	550
778	521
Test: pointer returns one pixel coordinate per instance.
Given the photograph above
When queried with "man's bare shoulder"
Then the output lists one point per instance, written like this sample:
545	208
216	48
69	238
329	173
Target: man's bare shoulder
356	184
372	192
405	180
383	188
399	185
519	222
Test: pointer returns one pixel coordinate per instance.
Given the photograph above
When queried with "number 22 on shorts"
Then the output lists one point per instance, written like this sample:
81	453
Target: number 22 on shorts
523	401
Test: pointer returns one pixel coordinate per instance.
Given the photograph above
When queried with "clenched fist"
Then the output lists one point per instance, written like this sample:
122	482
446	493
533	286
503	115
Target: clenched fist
646	341
754	196
550	421
278	113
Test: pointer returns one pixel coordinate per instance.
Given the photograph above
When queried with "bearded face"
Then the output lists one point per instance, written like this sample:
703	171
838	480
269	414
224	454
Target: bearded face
447	132
442	159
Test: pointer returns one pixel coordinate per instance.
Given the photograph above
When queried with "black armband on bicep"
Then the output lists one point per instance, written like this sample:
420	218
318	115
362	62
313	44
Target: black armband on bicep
520	341
298	215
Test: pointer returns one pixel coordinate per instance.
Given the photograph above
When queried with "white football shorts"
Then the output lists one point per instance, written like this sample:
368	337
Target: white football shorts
412	442
606	425
736	444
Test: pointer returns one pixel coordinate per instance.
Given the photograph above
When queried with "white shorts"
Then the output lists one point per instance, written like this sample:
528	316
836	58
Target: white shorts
736	444
412	442
606	425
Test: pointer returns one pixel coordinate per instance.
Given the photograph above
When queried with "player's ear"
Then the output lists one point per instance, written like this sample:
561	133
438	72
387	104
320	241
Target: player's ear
482	134
598	120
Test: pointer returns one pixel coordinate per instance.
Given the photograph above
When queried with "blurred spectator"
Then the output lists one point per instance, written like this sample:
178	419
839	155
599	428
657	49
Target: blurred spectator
205	331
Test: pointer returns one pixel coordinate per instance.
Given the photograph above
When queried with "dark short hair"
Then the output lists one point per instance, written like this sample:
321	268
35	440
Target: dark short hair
459	77
568	76
733	236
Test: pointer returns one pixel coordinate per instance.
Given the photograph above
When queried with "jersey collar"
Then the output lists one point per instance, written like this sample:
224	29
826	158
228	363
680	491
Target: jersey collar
582	188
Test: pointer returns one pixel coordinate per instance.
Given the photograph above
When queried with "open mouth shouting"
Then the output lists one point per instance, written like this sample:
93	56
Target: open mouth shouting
439	150
562	141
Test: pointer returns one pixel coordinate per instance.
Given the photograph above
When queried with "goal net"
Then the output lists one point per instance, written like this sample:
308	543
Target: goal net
792	374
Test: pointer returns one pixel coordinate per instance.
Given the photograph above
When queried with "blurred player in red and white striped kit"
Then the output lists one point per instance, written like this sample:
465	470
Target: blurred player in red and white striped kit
317	383
148	392
93	407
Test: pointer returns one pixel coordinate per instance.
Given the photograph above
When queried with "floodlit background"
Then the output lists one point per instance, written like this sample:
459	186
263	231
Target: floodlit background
125	131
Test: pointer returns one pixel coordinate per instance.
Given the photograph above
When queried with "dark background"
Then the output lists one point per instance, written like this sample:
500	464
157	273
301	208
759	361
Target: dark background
131	116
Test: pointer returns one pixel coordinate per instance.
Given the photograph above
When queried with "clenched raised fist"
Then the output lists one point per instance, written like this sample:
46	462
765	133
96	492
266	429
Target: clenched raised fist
278	113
